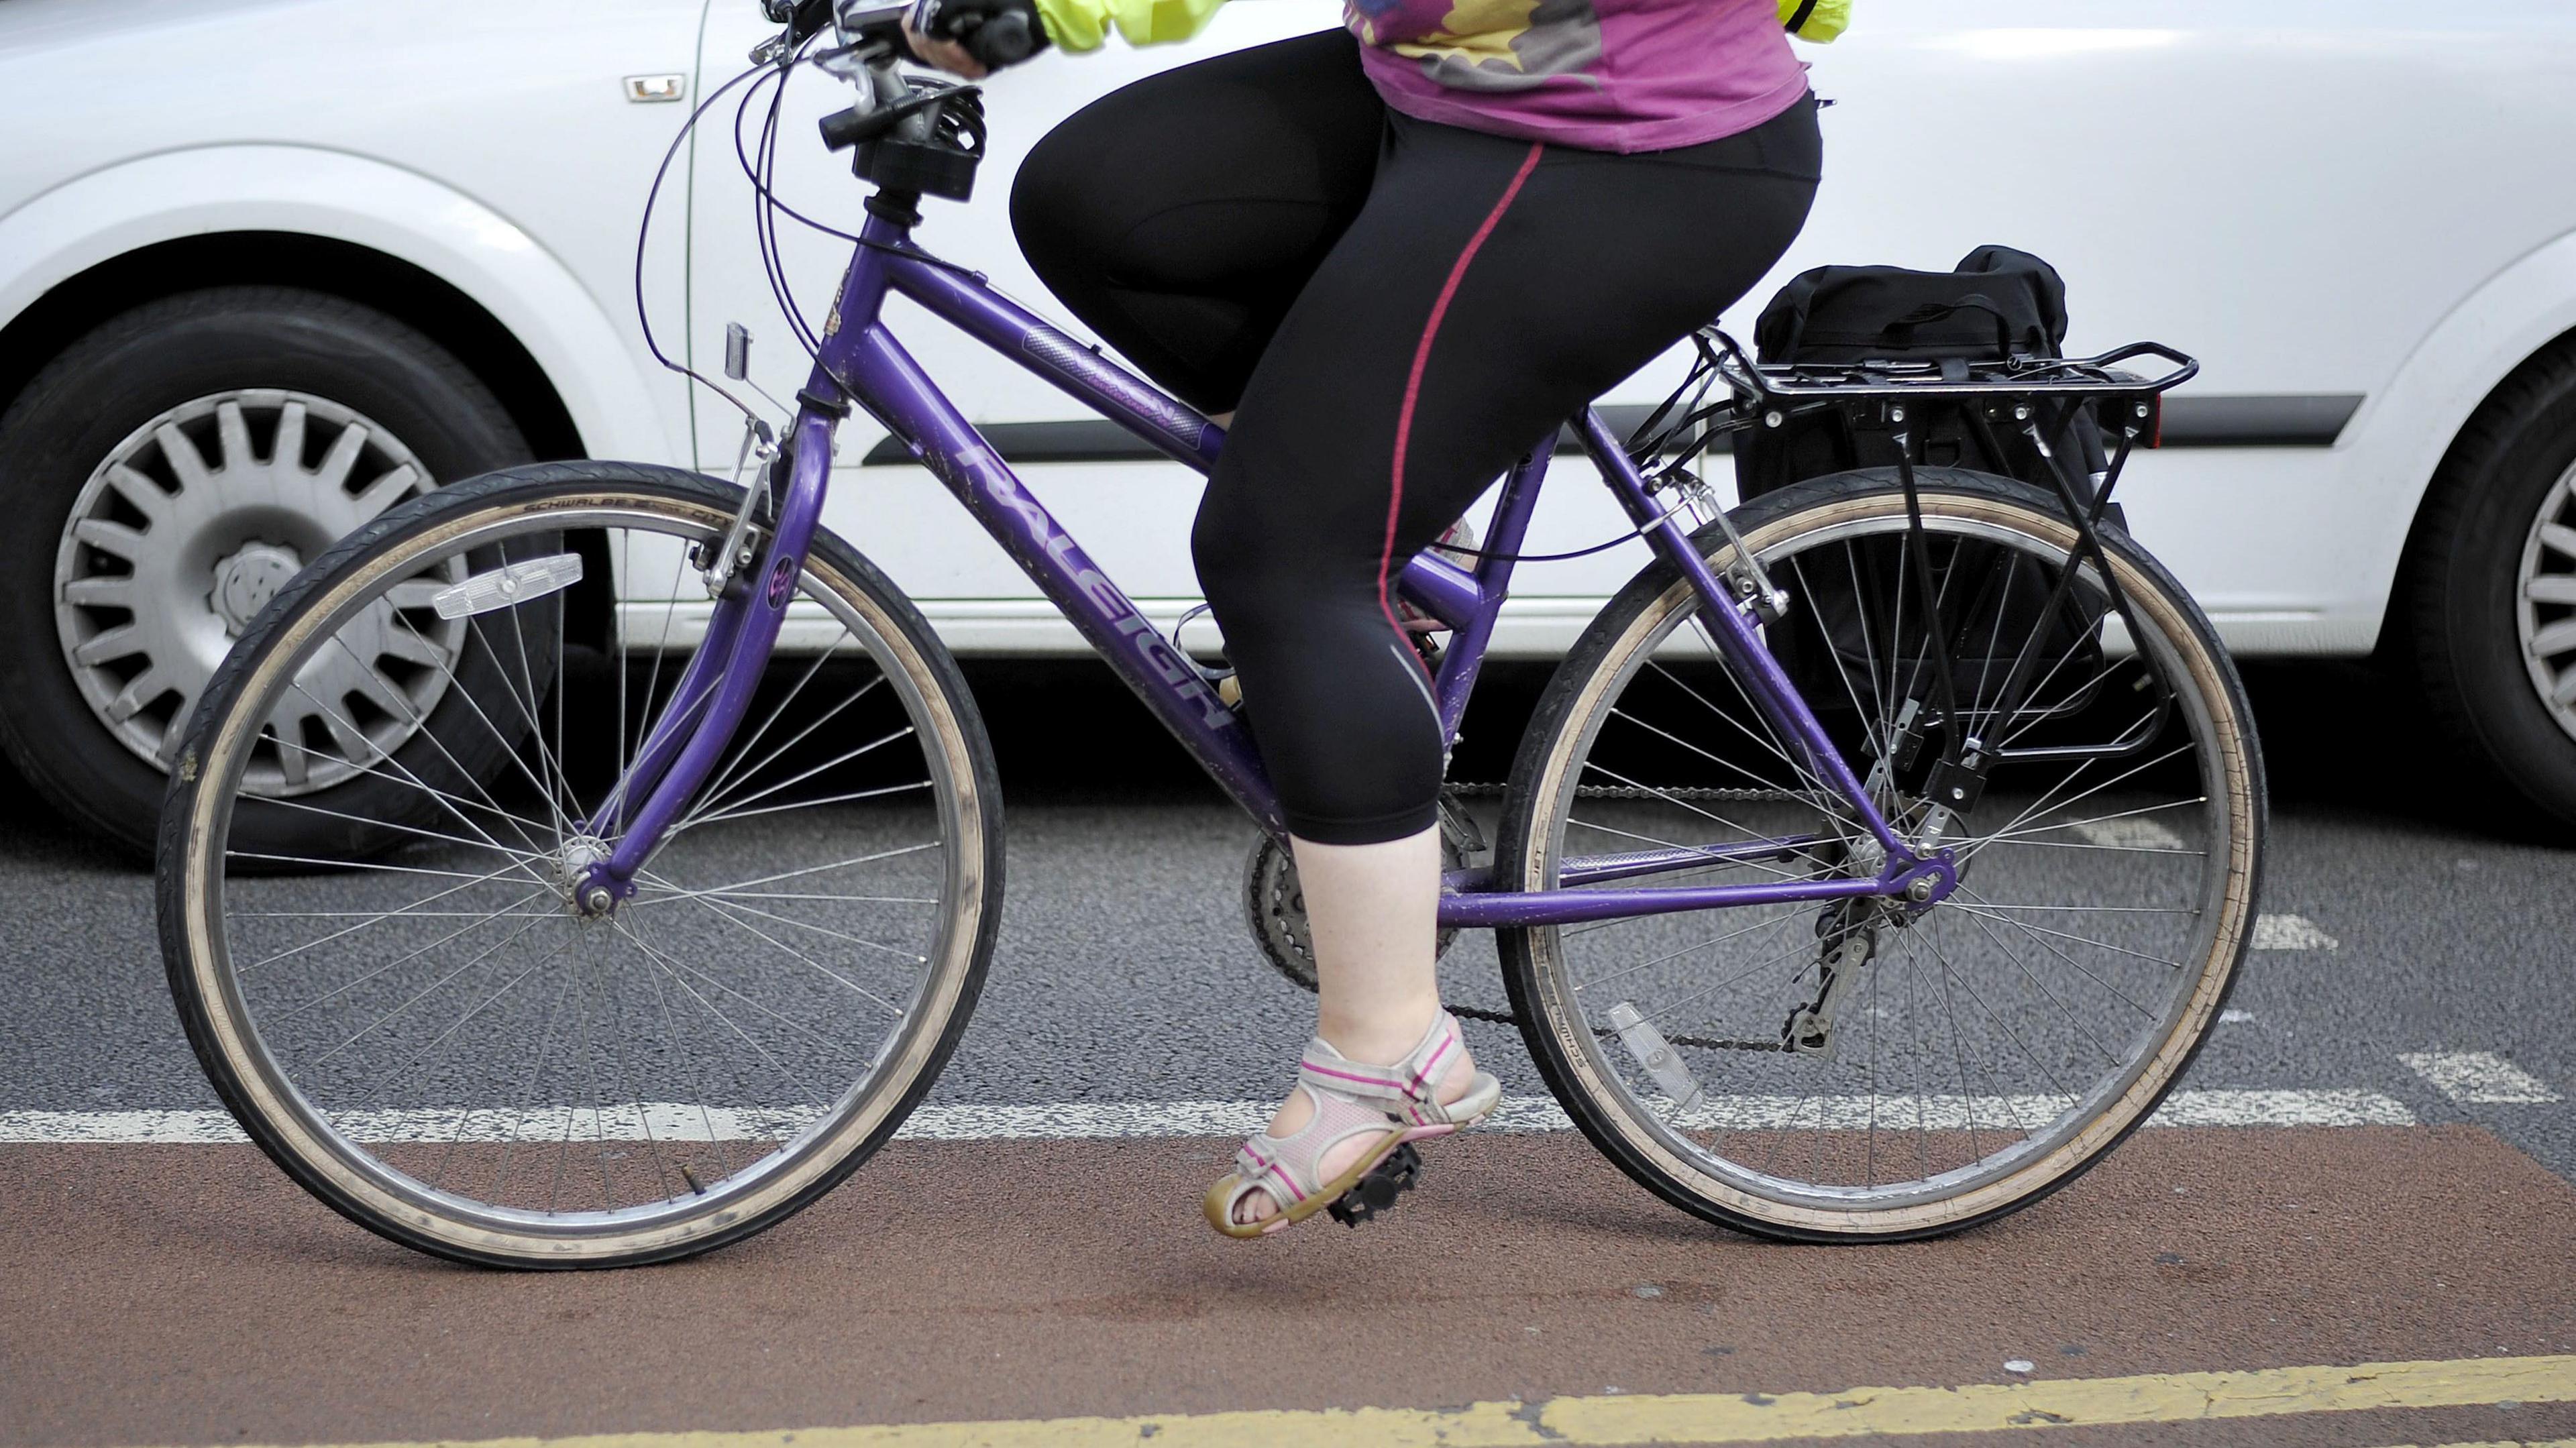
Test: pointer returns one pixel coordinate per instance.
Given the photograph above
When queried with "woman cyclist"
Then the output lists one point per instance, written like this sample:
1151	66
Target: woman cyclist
1392	258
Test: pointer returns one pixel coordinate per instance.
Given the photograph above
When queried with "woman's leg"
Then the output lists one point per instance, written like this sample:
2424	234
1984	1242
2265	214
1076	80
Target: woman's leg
1487	290
1179	217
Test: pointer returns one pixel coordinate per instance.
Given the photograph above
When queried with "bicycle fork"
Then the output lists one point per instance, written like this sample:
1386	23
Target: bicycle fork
714	692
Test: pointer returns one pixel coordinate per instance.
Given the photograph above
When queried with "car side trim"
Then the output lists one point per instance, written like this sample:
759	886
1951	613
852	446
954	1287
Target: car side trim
2291	420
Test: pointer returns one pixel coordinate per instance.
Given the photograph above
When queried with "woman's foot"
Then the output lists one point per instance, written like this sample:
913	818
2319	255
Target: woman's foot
1456	1079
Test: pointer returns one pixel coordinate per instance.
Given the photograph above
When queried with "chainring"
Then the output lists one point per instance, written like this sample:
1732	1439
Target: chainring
1275	907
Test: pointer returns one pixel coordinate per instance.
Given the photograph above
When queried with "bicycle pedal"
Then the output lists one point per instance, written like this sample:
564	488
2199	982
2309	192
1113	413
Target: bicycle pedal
1377	1191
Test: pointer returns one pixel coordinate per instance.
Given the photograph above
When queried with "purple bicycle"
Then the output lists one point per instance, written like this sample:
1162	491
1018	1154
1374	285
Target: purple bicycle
594	863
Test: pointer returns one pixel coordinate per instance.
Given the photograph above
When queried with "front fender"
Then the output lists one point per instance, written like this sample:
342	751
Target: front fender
199	191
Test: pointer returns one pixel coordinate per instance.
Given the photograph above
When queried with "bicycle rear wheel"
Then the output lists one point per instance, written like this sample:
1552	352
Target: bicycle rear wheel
1832	1072
382	971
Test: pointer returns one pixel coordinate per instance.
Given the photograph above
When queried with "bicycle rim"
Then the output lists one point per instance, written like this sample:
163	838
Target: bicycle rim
1977	1058
406	1012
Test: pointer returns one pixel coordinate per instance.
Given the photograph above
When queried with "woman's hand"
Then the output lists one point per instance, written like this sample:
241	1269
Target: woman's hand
946	55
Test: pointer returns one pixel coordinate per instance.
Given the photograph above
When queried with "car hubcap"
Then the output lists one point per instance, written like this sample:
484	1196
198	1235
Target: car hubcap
2545	602
185	532
246	581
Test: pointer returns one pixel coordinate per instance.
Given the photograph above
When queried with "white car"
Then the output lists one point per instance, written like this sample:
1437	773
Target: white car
269	266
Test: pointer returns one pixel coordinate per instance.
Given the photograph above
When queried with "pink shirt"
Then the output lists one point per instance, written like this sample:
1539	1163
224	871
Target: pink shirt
1608	75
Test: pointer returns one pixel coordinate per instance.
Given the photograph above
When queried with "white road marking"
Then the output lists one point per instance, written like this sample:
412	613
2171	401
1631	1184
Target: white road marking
2232	1016
2281	1108
1084	1120
2478	1078
2290	932
2135	832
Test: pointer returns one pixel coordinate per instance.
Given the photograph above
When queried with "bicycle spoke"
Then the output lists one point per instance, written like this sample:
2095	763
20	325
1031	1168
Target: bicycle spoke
868	748
1713	818
434	987
411	782
421	731
738	886
2070	961
1713	940
725	913
714	795
850	798
511	912
1973	909
378	917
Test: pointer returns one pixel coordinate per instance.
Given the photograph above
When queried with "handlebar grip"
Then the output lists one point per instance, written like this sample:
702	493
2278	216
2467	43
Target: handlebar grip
1004	39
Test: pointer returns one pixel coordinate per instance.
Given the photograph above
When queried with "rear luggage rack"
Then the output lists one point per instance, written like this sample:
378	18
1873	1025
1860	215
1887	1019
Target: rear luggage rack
2012	391
2036	400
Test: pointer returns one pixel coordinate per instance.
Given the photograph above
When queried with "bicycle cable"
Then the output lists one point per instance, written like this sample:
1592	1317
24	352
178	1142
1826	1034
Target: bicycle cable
643	240
1632	535
758	164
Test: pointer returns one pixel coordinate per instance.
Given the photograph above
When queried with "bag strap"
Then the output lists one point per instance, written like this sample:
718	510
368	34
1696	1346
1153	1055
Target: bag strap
1901	330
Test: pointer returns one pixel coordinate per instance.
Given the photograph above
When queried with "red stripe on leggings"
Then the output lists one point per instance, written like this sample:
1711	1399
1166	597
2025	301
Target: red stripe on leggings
1413	391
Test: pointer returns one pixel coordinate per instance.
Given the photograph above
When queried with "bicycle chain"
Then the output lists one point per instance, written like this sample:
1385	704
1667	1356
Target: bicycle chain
1615	791
1621	791
1506	1018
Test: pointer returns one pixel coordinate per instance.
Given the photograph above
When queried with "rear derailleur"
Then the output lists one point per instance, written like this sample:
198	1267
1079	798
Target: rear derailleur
1849	930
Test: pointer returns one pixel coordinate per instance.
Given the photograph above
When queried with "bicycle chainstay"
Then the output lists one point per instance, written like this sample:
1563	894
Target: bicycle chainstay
1613	791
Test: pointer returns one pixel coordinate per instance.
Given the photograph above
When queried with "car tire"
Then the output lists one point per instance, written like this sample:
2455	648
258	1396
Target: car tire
2487	602
180	558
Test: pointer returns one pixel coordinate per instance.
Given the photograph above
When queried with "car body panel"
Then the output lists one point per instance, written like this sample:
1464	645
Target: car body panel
490	144
2324	200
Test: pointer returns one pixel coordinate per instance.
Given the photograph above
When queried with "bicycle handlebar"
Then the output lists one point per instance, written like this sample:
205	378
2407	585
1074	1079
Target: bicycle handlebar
804	19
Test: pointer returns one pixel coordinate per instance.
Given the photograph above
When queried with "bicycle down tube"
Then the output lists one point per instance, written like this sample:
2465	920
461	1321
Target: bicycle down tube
861	360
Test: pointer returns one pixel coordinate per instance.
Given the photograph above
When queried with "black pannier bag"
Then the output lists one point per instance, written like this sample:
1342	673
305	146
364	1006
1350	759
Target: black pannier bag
1997	305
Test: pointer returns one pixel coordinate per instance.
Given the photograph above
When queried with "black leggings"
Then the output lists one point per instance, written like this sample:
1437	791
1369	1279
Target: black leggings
1399	309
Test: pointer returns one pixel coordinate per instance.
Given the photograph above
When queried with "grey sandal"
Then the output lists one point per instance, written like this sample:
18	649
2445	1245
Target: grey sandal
1350	1098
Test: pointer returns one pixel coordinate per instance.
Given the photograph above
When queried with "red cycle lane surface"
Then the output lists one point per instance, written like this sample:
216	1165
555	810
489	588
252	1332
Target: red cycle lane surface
191	1295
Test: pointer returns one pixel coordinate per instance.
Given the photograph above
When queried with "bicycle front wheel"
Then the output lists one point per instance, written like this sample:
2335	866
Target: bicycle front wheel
375	951
1844	1071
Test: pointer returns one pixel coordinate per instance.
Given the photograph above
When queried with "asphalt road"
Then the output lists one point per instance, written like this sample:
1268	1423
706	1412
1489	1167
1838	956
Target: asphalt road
2427	958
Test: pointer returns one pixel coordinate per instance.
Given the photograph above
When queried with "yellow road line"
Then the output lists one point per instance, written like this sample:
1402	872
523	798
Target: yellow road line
2504	1443
1711	1418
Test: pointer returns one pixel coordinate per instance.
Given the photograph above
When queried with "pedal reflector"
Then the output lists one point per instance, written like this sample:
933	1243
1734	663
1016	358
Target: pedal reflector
502	587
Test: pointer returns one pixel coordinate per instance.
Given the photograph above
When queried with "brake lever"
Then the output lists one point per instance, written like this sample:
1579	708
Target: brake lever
804	20
844	129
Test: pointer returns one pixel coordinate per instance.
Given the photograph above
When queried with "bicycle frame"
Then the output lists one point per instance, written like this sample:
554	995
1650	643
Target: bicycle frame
860	359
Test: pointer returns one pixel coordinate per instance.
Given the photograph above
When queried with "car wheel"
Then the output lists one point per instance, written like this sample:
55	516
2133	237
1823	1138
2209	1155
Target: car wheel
166	475
2490	592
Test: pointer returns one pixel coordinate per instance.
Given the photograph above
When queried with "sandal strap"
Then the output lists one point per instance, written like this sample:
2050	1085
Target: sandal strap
1405	1090
1288	1167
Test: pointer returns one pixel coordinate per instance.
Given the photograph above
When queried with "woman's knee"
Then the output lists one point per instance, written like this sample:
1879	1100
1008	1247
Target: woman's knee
1062	206
1233	566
